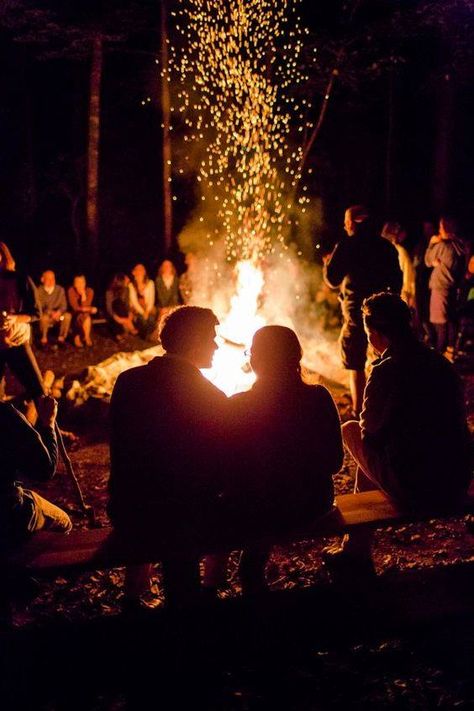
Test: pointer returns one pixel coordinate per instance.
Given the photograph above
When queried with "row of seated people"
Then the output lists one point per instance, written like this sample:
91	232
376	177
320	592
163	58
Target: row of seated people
133	305
196	467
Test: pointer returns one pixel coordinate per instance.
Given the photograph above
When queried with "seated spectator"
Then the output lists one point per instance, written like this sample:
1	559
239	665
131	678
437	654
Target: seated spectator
142	301
33	453
285	447
412	439
53	304
165	441
166	288
395	234
19	308
80	298
117	307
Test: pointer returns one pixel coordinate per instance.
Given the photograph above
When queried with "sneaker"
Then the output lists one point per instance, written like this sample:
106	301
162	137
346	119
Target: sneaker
449	354
135	608
344	564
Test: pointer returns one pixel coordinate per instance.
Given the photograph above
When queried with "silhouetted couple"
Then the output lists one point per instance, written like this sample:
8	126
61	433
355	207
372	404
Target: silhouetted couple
193	471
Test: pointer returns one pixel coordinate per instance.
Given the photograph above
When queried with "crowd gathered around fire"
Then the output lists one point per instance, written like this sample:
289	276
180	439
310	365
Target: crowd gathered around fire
191	467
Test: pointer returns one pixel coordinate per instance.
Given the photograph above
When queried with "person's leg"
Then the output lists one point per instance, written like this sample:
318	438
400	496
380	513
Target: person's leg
352	438
64	326
252	569
87	327
137	581
22	362
215	571
356	545
357	382
353	347
49	516
181	581
441	331
44	324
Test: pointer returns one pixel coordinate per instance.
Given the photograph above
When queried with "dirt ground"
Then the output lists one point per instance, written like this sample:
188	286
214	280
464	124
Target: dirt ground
396	674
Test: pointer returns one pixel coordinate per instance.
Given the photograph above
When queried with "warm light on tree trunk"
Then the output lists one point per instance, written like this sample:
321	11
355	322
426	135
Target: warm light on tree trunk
165	112
93	151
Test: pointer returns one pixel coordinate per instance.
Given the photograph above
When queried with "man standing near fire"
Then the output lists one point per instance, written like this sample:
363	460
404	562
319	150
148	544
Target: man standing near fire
362	263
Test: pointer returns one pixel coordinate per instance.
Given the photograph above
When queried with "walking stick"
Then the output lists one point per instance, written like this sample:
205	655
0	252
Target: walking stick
86	509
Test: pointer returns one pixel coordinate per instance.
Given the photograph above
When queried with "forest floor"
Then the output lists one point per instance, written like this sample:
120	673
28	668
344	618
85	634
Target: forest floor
388	673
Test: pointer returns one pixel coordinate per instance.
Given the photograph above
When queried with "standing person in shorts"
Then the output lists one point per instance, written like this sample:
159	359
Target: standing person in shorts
362	263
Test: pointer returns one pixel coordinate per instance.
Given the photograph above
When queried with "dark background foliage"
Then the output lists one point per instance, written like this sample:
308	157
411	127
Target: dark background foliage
396	133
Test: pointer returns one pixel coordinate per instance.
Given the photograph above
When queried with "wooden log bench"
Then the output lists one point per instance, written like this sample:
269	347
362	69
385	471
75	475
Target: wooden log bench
94	549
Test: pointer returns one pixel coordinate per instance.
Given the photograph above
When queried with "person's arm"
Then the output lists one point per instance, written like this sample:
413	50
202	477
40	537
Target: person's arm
329	431
62	303
377	404
37	449
335	267
395	276
431	254
150	296
30	307
88	307
73	300
159	296
134	303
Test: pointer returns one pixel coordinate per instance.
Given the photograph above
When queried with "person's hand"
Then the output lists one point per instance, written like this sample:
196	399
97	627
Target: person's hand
9	321
435	239
47	409
93	309
56	314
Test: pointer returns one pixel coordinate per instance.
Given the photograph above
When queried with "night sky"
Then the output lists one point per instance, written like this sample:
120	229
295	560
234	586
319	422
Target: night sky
397	134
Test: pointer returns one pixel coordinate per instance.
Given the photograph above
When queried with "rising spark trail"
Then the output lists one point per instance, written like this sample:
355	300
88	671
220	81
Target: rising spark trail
237	67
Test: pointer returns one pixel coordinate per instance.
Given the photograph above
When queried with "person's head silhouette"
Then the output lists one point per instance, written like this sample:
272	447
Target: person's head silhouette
276	353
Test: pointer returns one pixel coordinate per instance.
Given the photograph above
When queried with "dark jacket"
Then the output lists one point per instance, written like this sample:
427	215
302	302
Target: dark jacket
286	439
362	265
165	441
18	295
413	416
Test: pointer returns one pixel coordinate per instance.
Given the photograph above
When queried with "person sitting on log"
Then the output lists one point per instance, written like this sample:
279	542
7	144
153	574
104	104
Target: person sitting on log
166	465
54	313
285	446
80	298
412	439
117	307
33	453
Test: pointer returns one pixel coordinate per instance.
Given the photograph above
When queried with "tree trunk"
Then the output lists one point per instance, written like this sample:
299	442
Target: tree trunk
27	178
443	145
92	208
165	112
390	146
